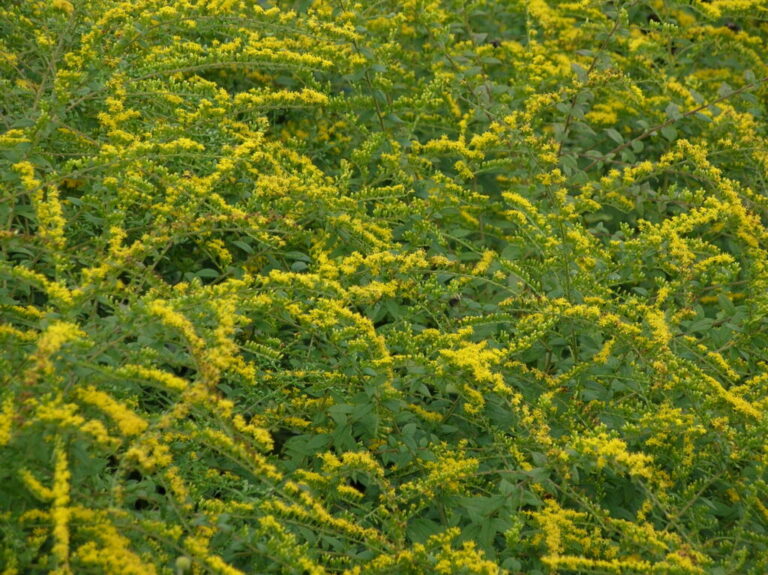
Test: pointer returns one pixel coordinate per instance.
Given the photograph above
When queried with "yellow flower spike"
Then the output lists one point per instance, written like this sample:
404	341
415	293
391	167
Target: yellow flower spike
49	343
485	262
50	217
150	452
60	512
6	420
164	378
26	171
126	420
178	486
172	318
659	326
35	487
259	434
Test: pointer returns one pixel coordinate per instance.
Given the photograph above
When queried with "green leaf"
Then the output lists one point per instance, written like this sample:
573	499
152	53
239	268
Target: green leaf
614	135
669	133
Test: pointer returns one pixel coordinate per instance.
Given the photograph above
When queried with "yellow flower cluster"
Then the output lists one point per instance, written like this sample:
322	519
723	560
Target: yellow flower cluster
425	286
613	451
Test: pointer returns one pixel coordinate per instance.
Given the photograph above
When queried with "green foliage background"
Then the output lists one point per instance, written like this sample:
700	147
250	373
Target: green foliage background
390	287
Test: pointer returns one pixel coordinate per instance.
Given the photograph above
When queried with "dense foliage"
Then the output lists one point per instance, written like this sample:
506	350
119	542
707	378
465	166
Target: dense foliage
419	286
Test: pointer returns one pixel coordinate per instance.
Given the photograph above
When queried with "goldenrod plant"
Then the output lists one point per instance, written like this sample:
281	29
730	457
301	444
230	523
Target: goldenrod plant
392	287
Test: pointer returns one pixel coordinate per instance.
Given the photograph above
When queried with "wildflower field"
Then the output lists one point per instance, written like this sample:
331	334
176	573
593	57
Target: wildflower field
389	287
